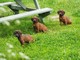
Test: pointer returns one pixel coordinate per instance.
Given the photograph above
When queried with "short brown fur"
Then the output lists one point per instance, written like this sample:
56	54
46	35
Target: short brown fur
23	38
38	27
63	19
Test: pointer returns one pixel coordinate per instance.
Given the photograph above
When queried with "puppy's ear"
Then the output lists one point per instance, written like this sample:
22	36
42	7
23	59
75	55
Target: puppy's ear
63	12
31	19
58	12
14	33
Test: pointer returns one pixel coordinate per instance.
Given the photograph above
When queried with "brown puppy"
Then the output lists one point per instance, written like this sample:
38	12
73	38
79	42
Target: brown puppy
23	37
63	19
38	27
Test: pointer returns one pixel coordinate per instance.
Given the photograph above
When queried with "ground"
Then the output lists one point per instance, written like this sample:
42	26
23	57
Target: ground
58	43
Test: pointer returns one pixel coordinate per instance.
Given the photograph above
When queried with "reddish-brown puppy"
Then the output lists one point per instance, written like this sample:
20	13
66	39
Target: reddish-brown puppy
23	38
38	27
63	19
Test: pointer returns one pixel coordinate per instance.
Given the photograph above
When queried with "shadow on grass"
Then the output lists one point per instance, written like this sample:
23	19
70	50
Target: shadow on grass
25	26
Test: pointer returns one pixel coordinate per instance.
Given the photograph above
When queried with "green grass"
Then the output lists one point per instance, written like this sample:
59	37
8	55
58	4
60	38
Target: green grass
58	43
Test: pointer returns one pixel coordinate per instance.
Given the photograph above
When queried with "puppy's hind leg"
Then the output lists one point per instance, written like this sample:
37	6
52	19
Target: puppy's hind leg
70	23
44	31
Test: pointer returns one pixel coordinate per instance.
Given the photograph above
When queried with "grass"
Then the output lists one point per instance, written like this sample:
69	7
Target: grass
58	43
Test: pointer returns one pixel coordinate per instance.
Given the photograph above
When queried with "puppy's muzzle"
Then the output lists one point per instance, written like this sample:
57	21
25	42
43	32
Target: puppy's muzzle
17	35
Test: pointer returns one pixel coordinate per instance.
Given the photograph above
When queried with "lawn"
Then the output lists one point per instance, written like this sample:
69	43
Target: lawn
58	43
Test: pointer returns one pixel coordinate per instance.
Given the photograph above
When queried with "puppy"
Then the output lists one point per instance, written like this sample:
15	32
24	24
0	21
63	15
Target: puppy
38	27
23	37
63	19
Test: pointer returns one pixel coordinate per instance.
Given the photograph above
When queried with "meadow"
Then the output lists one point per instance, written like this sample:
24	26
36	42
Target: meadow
58	43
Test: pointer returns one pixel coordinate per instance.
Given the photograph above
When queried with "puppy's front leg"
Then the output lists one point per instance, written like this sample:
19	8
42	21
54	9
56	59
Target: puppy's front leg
65	22
60	21
37	29
34	28
22	43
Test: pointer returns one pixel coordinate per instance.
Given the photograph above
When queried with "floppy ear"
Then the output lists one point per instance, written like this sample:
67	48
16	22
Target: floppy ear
13	33
31	19
57	12
63	12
